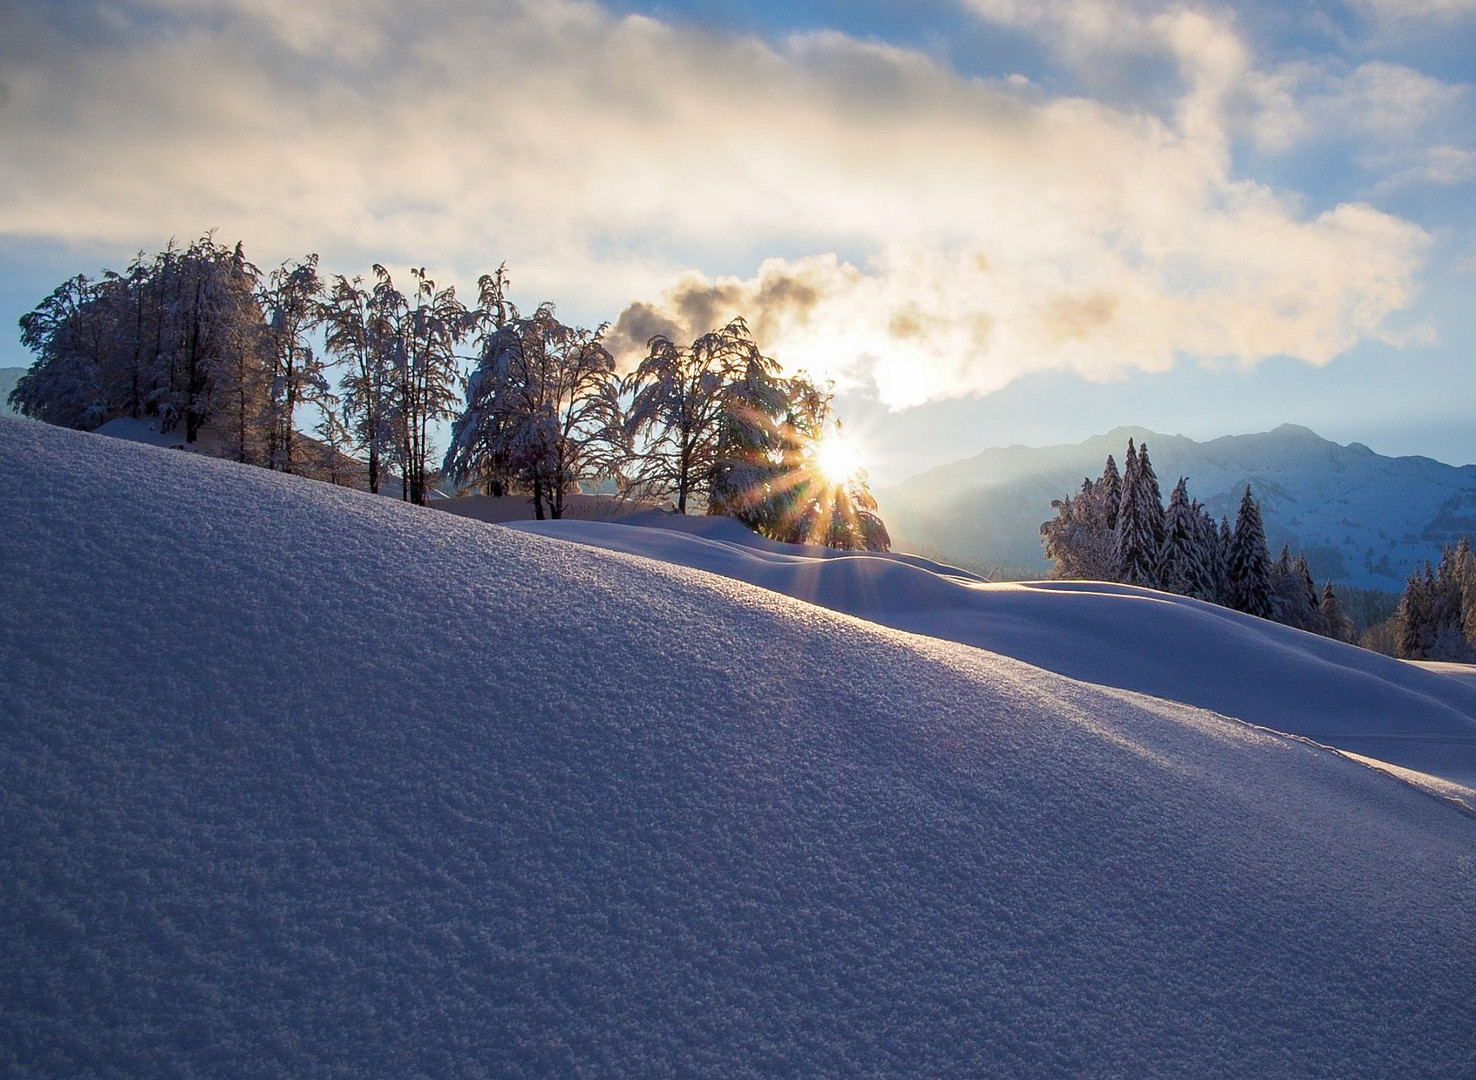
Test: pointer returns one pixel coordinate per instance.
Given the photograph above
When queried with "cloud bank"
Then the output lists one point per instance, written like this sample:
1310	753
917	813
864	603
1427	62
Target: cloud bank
914	229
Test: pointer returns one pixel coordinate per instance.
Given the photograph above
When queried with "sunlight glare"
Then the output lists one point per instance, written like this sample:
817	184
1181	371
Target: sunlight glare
837	458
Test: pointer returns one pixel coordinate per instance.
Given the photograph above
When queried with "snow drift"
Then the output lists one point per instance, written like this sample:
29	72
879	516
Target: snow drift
294	781
1116	635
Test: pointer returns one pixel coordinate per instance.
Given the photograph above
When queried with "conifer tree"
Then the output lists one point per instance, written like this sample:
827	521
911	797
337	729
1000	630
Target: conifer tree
1110	492
1414	623
1152	498
1137	548
1248	567
1182	560
1339	625
1213	552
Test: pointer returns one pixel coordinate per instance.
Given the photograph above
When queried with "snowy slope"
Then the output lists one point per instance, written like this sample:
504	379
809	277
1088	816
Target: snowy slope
1115	635
1362	518
298	782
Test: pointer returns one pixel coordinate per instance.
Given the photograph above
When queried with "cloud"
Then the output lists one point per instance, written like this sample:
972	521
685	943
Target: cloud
920	325
1378	101
989	229
1418	9
1444	166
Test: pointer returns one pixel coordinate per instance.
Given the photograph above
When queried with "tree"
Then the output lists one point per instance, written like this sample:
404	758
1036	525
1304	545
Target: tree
418	334
360	333
749	467
1081	539
1139	523
175	337
1414	625
806	505
1183	563
543	404
290	302
1294	599
70	335
1339	625
679	397
1247	565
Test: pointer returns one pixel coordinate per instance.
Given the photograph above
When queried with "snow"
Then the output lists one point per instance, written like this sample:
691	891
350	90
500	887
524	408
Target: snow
294	781
143	431
1113	635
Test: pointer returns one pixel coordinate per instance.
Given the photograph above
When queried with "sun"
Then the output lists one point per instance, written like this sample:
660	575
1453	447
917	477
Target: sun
836	458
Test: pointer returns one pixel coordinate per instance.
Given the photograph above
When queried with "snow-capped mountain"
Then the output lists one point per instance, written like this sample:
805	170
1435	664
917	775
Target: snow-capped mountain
1361	518
299	782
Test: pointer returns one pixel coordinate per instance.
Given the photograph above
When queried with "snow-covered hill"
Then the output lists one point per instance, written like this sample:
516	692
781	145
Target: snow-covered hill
1114	635
294	781
1362	518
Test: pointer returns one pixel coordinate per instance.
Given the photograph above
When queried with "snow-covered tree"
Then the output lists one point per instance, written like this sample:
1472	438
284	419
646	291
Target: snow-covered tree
1415	620
290	300
422	331
359	333
1247	564
1294	598
1339	625
1109	493
1079	540
175	337
542	403
806	505
679	398
1152	498
1139	524
748	460
1184	565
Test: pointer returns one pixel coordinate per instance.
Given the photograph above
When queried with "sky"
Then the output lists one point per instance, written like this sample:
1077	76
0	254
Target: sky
988	221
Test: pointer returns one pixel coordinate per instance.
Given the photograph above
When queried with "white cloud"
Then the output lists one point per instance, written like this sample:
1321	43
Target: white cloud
998	231
1445	166
1418	9
1384	102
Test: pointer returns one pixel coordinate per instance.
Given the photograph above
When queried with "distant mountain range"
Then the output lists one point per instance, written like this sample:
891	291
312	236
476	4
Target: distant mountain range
1362	519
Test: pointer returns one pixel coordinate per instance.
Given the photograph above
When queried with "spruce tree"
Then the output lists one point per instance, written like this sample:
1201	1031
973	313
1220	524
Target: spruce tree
1151	499
1109	488
1414	623
1339	626
1248	567
1136	552
1182	563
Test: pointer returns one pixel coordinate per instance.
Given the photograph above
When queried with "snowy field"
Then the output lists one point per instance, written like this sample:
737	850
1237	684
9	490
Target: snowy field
1418	716
295	781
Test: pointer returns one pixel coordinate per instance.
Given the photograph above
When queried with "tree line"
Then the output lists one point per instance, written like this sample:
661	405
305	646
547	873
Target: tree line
198	337
1116	528
1436	619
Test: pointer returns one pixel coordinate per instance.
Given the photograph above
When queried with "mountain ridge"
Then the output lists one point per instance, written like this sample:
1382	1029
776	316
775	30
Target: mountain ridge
1362	518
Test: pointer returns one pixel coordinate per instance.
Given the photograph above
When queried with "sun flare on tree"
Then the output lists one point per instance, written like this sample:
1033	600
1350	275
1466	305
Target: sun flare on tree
836	458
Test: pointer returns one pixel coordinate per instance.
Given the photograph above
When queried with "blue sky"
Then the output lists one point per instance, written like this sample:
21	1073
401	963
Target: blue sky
990	221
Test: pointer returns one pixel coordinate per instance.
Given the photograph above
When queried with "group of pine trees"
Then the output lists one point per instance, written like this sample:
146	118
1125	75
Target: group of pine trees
198	337
1116	528
1436	619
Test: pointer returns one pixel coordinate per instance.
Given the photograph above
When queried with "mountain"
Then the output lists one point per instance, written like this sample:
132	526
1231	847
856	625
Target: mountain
295	781
8	378
1361	518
